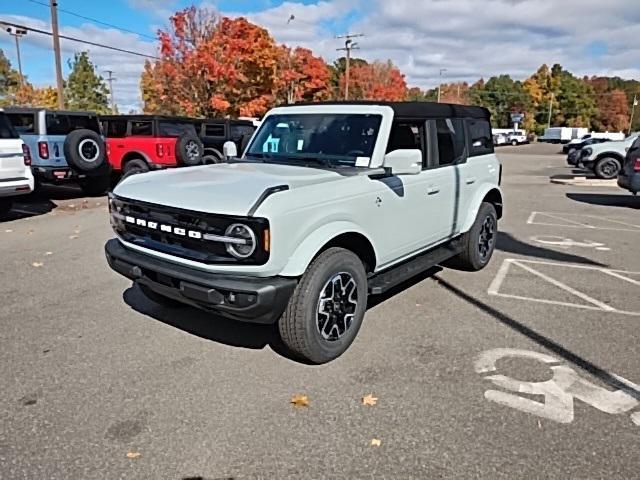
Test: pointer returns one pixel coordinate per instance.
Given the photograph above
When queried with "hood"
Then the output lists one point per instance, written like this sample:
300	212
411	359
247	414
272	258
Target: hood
230	189
615	146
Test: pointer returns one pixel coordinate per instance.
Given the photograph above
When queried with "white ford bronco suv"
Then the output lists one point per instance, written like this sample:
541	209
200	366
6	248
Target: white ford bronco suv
328	204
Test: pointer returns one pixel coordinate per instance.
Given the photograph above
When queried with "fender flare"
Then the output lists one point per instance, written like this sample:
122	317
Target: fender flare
130	155
213	151
313	243
475	203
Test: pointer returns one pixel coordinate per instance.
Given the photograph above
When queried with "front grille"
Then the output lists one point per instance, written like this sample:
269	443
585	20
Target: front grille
131	220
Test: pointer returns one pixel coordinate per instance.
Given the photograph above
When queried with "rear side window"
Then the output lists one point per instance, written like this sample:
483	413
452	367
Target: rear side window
6	129
142	128
116	128
24	123
212	130
173	129
451	140
479	137
61	124
240	131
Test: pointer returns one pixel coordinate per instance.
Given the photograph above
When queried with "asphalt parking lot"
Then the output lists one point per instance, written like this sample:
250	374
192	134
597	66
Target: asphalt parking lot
528	369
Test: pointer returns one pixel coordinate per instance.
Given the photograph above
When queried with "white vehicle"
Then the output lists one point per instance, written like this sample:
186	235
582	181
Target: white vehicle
499	139
605	159
15	160
563	134
330	203
517	138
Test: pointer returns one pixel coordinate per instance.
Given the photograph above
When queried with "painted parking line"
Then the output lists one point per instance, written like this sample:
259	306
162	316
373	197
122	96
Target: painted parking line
574	220
530	267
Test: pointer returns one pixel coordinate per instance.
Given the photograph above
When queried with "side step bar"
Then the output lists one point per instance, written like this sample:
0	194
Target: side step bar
398	274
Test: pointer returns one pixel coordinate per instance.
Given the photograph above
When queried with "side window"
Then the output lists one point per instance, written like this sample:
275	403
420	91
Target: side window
24	123
408	135
116	128
213	130
479	137
141	128
451	140
240	131
57	124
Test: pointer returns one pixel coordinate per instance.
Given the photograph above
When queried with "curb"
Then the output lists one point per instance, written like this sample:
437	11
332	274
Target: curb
585	182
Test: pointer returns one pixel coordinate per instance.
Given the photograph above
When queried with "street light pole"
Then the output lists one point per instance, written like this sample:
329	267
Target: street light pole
442	70
56	52
290	88
349	45
17	33
633	111
111	94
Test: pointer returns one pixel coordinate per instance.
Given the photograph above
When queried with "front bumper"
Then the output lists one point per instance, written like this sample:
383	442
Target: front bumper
248	299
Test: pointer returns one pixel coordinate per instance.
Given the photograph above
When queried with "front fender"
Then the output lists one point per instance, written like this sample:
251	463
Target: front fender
313	243
474	205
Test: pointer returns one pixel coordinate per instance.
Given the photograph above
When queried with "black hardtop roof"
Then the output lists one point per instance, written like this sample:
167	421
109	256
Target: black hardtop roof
48	110
171	118
420	109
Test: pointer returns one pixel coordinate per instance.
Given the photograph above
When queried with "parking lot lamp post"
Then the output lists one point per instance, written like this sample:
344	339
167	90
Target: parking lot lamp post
442	70
290	86
633	111
17	33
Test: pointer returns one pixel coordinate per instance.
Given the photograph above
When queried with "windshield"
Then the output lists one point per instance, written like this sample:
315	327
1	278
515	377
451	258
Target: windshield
337	139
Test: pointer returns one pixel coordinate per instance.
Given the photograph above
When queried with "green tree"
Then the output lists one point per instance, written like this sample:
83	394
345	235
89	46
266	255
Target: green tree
576	105
9	80
502	96
85	89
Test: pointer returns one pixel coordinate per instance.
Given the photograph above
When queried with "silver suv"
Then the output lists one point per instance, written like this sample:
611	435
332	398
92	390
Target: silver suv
328	204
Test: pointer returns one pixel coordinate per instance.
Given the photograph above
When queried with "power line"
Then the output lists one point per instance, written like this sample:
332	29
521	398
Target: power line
68	12
79	40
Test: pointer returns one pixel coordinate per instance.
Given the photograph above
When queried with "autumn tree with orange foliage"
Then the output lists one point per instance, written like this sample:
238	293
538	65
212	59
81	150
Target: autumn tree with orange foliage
302	77
376	81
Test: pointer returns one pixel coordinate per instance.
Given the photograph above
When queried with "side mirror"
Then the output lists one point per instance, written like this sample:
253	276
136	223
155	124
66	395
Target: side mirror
229	150
403	162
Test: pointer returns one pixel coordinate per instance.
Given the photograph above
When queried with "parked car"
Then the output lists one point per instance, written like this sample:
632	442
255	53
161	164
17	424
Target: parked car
214	133
329	203
577	143
139	143
65	146
629	176
605	159
499	139
517	138
15	165
574	153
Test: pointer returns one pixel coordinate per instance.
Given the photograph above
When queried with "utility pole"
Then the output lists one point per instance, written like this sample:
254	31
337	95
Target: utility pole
550	109
16	33
290	87
633	111
114	110
349	45
56	52
442	70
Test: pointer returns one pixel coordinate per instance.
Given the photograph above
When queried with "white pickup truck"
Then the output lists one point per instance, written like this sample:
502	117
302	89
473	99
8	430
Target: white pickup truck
328	204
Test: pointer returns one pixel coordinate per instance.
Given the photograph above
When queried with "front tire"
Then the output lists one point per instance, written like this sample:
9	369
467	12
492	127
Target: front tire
479	243
327	307
133	167
607	168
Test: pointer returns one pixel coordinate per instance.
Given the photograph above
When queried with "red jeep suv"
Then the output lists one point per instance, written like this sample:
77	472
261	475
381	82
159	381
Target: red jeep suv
139	143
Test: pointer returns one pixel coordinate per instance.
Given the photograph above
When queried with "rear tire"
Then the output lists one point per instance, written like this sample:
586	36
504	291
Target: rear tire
95	186
133	167
5	205
211	159
479	242
327	307
189	150
607	168
157	298
514	143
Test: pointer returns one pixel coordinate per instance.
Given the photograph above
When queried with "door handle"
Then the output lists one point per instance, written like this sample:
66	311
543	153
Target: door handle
433	191
471	181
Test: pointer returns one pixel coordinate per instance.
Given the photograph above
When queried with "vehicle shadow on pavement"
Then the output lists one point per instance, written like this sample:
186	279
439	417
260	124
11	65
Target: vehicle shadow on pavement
607	200
510	244
209	325
541	340
28	206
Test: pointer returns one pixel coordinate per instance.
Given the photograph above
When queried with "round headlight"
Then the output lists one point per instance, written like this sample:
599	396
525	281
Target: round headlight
246	244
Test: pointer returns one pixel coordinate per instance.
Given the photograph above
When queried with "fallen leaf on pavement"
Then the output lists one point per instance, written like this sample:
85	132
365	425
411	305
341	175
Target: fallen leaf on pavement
73	237
8	230
48	253
369	400
29	232
76	231
37	264
376	442
300	400
72	206
133	454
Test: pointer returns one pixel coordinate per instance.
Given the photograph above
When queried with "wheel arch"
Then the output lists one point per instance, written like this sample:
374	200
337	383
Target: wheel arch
134	155
339	234
604	155
490	194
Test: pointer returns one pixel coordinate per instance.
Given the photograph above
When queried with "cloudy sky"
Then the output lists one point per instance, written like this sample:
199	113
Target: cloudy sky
468	38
